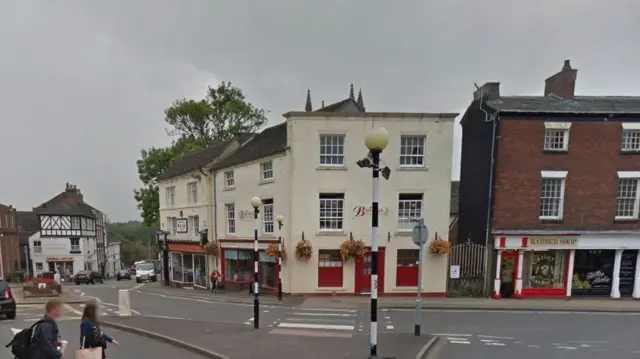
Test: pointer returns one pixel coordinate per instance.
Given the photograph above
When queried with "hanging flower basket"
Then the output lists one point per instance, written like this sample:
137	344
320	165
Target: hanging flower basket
274	251
350	250
212	248
304	250
439	246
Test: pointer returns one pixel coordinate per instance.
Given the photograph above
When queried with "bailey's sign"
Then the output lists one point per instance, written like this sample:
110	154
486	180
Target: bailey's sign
360	211
545	241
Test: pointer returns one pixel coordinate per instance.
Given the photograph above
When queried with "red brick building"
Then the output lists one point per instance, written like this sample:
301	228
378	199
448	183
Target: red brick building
9	247
551	185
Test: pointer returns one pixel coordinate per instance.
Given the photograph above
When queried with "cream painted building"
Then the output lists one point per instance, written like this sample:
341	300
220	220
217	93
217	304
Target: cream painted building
186	208
305	169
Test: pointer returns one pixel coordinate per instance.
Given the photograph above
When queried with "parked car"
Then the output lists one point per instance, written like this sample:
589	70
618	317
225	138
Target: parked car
7	302
123	274
88	277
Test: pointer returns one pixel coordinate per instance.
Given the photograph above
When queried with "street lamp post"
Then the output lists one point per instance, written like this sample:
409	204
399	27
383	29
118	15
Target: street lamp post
255	203
280	219
376	141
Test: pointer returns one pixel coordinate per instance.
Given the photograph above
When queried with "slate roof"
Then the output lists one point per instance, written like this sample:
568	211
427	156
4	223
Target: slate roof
269	142
341	106
455	197
69	209
604	105
193	161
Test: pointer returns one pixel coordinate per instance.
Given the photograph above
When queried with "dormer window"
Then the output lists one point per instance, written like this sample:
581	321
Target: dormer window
556	136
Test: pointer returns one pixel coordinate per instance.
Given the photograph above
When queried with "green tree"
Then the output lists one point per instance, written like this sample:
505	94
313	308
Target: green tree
194	125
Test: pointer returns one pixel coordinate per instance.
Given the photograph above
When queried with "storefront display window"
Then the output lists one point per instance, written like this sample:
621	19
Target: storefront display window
267	270
177	272
200	270
187	262
544	269
592	272
238	265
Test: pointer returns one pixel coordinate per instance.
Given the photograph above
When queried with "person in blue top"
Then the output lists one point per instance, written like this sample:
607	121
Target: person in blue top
90	334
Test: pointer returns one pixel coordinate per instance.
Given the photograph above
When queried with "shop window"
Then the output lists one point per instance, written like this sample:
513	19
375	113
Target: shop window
268	272
200	270
592	272
238	265
407	268
177	268
187	262
544	270
329	268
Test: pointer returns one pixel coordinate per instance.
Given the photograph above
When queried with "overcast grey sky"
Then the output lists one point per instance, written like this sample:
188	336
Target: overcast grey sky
83	84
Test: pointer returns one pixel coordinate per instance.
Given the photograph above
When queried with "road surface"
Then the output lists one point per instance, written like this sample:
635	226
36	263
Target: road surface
131	346
467	334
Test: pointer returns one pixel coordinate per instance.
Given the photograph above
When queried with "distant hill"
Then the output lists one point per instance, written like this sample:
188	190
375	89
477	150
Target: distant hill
135	239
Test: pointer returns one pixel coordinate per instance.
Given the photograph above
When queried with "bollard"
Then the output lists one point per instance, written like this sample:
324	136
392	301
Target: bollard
124	303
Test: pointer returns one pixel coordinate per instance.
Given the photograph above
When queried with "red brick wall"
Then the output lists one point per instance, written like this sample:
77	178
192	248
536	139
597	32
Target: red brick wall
590	188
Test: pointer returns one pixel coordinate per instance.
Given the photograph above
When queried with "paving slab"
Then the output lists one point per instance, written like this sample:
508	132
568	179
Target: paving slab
243	342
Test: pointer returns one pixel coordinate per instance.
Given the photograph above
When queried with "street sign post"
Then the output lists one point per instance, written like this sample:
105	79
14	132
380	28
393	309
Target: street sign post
419	236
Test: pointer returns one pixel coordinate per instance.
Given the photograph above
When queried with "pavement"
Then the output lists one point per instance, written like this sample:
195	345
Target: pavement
131	346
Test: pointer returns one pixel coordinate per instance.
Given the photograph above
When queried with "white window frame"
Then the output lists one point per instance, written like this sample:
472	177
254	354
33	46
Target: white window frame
552	127
192	192
631	129
195	224
171	195
37	246
39	264
408	157
562	175
634	176
328	213
75	222
406	223
268	225
229	180
74	247
266	171
230	209
325	158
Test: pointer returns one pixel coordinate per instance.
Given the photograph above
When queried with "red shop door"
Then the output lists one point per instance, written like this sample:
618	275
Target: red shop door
363	272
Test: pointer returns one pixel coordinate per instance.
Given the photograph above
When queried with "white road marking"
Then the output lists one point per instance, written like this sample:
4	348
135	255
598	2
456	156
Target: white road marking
327	310
453	335
324	314
164	317
389	327
568	348
515	311
533	346
495	344
316	326
265	311
494	337
458	341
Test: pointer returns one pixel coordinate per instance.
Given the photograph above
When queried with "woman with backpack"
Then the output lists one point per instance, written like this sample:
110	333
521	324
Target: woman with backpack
90	334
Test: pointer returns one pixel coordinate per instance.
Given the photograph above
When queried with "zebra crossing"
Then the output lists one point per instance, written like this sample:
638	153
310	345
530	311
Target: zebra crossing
319	322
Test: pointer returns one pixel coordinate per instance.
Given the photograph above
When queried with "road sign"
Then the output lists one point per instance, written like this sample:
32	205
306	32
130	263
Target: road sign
420	234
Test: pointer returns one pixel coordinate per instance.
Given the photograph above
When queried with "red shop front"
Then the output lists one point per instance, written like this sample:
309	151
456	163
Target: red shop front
527	272
238	267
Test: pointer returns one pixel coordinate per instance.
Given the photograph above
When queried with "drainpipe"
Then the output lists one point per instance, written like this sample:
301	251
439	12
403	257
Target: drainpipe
488	247
215	213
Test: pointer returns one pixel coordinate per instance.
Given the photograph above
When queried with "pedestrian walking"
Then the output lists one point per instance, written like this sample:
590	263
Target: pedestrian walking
215	280
45	338
91	336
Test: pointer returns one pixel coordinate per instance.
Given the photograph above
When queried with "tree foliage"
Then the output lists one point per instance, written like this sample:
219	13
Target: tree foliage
194	125
135	240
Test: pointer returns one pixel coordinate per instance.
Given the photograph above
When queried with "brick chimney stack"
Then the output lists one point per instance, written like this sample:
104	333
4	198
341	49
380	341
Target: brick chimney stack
72	191
488	91
563	83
